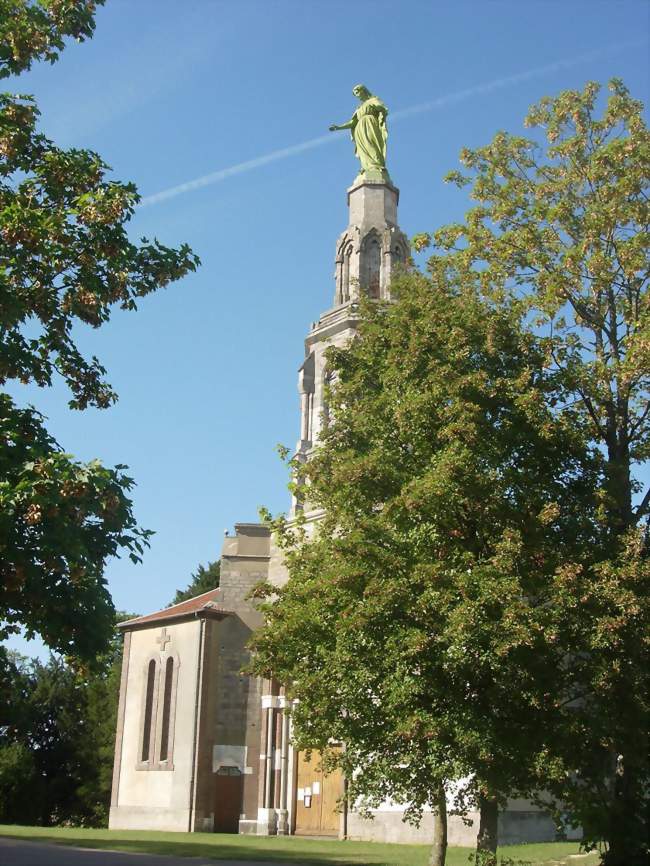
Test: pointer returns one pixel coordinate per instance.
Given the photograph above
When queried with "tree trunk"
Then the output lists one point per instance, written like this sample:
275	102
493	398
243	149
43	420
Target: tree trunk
488	833
439	847
628	831
619	482
628	837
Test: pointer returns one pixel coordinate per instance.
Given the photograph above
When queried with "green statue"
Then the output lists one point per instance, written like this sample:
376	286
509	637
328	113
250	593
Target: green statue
369	134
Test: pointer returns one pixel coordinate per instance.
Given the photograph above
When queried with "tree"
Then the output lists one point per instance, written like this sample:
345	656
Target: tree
65	258
563	231
434	627
598	762
60	520
203	580
413	625
49	730
36	31
566	232
101	689
17	770
57	739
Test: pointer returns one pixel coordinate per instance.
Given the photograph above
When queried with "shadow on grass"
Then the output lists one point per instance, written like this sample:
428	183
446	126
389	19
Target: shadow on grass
280	850
287	850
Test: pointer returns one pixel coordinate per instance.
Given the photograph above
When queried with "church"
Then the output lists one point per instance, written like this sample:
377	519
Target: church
201	746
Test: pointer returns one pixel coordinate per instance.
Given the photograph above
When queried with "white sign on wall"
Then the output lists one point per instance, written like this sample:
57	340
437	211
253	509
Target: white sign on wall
229	756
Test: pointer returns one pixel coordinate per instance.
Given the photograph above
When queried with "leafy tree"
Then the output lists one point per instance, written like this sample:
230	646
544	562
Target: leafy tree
566	231
413	625
17	770
562	229
101	689
18	784
598	760
203	580
475	599
60	520
35	31
49	729
65	258
57	738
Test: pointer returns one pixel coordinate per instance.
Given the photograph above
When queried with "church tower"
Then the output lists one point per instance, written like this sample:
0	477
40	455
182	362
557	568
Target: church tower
200	746
295	797
367	253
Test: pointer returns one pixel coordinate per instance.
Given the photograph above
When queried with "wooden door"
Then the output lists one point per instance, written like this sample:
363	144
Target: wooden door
316	798
227	801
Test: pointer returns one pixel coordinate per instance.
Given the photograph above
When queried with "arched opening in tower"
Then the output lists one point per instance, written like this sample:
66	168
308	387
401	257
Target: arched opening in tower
371	275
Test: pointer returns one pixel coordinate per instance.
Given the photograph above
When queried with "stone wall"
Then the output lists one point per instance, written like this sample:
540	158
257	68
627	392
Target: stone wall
520	823
157	799
244	563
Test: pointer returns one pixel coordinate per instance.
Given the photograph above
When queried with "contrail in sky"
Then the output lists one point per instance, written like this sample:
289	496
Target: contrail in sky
240	168
439	102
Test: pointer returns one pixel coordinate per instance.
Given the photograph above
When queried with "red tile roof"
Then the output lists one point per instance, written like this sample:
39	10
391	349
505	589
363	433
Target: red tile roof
206	603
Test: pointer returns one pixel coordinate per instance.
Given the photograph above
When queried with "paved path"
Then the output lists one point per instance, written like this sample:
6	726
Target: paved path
17	852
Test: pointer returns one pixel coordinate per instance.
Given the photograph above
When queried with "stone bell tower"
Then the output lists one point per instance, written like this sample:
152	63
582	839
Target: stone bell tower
367	253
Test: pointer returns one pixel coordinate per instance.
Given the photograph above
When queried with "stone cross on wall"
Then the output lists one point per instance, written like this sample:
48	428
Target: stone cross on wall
163	640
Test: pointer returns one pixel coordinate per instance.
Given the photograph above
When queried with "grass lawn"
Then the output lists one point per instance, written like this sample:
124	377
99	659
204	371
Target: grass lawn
281	849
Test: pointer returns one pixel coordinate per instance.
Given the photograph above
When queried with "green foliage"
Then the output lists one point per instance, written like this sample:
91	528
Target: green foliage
599	769
36	30
413	626
60	521
56	739
101	695
565	231
562	230
65	259
203	580
16	793
66	256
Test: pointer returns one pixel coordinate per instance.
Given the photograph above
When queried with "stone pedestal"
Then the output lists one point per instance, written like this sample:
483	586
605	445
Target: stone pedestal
373	205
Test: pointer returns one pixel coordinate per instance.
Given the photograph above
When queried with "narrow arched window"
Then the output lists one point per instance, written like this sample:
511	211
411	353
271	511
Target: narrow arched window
148	711
166	713
371	265
345	282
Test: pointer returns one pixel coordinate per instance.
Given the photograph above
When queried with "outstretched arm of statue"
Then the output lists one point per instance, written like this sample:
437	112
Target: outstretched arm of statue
335	126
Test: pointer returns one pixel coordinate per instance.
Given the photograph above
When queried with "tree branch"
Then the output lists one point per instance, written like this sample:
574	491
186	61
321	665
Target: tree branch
644	507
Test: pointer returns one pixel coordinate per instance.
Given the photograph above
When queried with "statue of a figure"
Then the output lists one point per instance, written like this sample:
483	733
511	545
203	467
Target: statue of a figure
369	133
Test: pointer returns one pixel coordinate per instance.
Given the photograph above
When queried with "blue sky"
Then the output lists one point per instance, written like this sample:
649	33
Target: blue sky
170	92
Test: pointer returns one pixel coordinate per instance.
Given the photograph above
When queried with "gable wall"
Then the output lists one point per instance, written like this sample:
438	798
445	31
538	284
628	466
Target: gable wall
157	798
